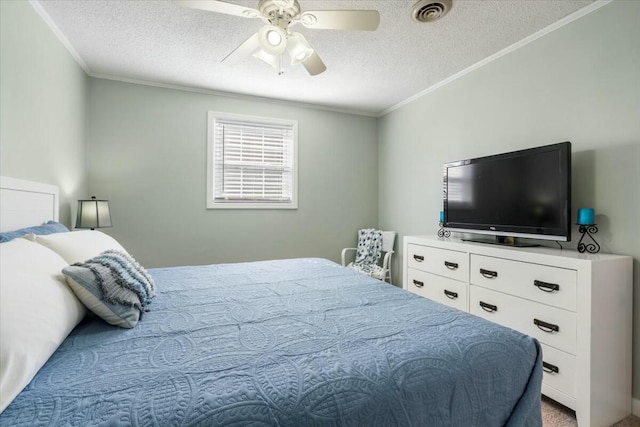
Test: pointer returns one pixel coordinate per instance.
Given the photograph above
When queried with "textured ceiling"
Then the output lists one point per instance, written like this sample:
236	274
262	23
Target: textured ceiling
368	72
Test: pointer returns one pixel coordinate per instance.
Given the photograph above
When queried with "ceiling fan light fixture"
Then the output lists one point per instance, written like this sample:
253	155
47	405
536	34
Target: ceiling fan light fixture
267	58
273	40
298	48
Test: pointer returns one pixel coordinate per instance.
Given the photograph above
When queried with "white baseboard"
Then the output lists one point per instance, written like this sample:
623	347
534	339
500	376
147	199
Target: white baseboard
635	407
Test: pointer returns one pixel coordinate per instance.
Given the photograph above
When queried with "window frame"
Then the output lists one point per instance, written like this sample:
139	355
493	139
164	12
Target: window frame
212	118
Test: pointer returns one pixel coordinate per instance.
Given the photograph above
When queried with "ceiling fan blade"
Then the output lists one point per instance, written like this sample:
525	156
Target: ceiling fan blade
366	20
314	65
245	49
220	7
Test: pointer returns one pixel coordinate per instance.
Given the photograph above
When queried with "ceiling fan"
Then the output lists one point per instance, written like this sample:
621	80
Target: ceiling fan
274	40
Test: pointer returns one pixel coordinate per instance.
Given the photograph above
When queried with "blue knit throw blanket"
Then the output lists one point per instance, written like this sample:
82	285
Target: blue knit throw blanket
121	279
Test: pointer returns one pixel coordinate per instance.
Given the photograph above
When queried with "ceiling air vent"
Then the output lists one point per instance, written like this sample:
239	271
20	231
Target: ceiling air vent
430	10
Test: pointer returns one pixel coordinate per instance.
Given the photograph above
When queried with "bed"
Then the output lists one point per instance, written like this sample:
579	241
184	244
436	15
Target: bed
300	342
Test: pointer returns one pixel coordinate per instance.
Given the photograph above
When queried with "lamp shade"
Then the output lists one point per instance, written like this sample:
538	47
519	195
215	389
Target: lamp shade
93	213
272	39
265	56
298	48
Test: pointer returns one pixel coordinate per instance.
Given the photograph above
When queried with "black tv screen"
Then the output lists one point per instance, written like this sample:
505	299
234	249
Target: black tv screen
524	193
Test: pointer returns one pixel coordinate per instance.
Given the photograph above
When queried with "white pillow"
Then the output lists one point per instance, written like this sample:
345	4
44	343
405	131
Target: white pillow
37	312
79	246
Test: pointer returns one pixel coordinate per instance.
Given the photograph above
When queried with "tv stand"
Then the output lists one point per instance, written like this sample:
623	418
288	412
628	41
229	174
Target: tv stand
503	241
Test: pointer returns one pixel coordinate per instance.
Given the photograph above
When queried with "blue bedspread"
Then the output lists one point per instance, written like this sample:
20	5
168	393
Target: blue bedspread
300	342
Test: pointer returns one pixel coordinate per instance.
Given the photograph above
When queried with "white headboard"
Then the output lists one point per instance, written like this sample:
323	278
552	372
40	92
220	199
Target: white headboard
26	203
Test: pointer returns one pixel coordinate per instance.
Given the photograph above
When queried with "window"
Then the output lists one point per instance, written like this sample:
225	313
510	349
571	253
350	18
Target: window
251	162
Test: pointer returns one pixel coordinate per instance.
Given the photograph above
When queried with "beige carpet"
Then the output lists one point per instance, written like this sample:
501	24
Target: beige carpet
556	415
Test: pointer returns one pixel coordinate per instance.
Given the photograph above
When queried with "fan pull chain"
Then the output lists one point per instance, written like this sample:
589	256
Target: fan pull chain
280	68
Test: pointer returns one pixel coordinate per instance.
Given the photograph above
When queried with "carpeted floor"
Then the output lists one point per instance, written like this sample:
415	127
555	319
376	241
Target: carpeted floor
556	415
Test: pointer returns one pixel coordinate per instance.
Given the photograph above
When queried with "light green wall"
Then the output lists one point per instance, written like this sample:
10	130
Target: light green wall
42	106
147	155
580	83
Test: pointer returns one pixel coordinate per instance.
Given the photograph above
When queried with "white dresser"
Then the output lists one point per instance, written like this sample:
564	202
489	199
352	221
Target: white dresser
579	306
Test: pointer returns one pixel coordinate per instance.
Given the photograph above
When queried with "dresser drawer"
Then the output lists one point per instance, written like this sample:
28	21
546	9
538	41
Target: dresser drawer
559	370
443	262
548	285
437	288
550	325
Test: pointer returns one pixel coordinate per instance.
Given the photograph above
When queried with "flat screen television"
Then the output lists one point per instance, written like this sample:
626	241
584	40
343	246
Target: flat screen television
525	193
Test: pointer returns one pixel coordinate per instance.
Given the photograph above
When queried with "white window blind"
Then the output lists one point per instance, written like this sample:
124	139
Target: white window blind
253	162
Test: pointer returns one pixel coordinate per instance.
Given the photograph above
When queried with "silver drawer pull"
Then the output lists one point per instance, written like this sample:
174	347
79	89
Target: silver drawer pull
488	273
418	283
451	295
546	287
546	327
418	258
488	307
451	265
548	367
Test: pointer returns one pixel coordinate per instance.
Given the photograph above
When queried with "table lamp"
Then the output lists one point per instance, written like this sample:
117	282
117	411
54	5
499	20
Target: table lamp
93	214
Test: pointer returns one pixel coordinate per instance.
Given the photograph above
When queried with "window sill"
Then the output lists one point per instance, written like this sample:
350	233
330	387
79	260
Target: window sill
250	205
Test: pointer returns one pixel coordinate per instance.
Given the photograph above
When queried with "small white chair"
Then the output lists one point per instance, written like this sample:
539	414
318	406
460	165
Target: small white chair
382	270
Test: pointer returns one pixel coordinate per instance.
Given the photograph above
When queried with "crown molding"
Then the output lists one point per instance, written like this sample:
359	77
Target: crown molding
543	32
233	95
47	19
